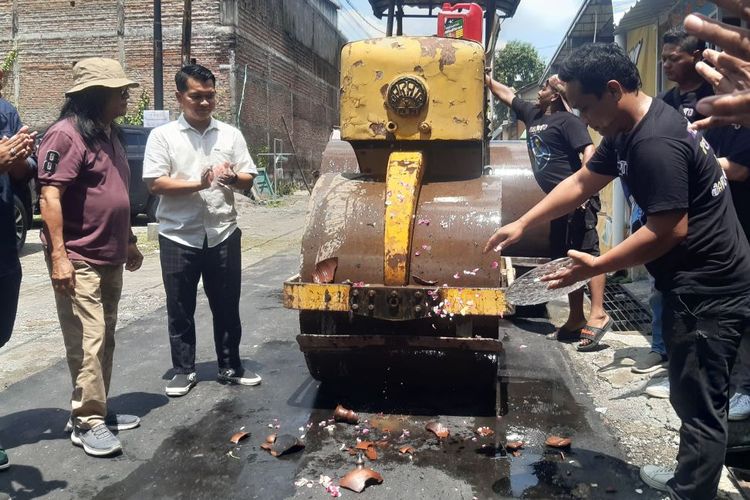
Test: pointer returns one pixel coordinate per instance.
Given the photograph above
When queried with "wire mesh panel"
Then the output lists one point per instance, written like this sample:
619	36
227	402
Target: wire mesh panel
626	311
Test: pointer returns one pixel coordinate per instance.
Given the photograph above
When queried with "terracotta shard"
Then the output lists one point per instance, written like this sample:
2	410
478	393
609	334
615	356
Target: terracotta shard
438	429
406	449
484	431
383	443
341	414
363	445
421	281
325	270
268	443
371	453
358	479
513	445
238	436
283	444
558	442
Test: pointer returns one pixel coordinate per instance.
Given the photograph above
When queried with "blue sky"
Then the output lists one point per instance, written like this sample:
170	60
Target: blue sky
539	22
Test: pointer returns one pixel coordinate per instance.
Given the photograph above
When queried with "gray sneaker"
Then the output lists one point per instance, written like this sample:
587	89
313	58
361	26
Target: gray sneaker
115	422
650	363
739	406
181	384
656	477
97	441
246	378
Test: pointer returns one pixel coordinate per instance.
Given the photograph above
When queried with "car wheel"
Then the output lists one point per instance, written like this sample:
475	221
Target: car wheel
21	220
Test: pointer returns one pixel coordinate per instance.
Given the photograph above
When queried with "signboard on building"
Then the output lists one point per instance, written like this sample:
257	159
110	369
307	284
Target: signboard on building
155	117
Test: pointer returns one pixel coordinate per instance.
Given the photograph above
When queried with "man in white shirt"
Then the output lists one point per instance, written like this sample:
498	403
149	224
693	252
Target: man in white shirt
193	163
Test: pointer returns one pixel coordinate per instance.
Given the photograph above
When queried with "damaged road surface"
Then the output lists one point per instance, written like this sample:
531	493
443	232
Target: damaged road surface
183	447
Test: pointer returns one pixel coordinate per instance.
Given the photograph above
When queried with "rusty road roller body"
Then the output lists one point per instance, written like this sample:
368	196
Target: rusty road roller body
391	266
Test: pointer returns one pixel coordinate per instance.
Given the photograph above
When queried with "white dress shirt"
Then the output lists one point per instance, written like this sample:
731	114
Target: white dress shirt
179	151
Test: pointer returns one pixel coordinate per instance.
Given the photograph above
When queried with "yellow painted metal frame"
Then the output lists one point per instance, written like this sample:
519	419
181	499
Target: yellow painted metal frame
316	297
451	70
335	297
402	185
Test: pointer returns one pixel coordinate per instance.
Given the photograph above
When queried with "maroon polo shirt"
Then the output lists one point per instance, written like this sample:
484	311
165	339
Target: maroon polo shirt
96	203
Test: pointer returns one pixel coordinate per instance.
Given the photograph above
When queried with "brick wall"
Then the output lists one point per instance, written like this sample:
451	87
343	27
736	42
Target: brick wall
290	48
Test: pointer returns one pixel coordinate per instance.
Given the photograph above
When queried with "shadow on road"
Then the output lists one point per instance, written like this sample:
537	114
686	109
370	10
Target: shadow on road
23	482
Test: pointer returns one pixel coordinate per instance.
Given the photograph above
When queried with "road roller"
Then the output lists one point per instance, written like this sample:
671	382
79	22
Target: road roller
392	277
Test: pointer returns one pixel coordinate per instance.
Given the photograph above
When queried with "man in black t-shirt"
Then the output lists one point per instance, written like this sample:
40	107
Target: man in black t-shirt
556	141
731	145
692	244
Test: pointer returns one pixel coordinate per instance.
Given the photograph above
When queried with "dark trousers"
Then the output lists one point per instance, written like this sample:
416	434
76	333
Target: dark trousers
10	285
702	334
220	267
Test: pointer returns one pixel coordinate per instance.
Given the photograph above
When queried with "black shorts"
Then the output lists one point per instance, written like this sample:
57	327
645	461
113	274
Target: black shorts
576	231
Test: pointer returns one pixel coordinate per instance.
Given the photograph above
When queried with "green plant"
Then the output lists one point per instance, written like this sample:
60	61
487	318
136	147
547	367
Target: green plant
286	187
10	59
260	160
137	118
516	65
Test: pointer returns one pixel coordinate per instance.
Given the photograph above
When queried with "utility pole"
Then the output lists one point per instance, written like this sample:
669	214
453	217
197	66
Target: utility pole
158	64
187	30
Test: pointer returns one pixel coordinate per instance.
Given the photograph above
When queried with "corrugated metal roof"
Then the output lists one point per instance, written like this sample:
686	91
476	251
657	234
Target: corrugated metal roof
380	7
644	12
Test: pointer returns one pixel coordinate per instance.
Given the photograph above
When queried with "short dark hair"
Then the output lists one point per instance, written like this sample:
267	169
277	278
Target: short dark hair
685	41
594	64
195	71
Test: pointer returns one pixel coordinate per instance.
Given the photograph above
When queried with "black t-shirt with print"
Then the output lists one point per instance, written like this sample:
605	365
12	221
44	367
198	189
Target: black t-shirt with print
666	167
554	142
732	142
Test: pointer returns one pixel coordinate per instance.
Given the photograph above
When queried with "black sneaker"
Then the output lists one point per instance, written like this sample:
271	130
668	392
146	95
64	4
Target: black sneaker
97	441
246	378
114	421
4	462
181	384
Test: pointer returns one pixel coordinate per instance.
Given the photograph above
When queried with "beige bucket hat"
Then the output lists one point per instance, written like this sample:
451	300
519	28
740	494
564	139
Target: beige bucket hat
98	72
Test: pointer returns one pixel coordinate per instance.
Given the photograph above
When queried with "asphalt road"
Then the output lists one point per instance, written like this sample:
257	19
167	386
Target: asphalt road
182	448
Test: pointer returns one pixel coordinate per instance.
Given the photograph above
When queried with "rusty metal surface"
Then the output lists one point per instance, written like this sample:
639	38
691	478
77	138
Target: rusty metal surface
449	74
309	343
347	215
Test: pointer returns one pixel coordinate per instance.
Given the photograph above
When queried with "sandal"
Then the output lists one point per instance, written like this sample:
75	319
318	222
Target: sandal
593	335
565	334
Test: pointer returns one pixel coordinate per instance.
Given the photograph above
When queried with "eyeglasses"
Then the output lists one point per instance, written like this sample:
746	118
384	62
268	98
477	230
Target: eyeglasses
124	93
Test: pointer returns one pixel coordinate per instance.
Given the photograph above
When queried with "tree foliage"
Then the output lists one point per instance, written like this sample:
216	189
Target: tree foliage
516	65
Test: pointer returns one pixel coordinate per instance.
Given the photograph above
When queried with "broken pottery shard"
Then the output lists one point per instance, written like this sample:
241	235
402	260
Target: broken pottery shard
341	414
363	445
268	443
438	429
513	445
325	270
421	281
382	443
358	479
371	453
238	436
280	445
558	442
406	449
484	431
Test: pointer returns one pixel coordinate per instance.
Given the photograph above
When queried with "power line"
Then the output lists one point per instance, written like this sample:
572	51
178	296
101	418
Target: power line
353	25
379	30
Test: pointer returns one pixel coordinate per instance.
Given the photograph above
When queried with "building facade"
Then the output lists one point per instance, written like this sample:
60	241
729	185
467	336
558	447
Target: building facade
272	58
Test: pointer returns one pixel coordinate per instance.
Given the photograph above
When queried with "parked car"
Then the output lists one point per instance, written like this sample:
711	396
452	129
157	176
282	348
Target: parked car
141	201
24	198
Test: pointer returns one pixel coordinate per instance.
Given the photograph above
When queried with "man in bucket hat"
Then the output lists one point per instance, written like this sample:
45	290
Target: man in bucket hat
84	179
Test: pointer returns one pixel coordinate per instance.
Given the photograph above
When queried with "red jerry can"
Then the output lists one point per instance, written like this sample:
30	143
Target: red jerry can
462	20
